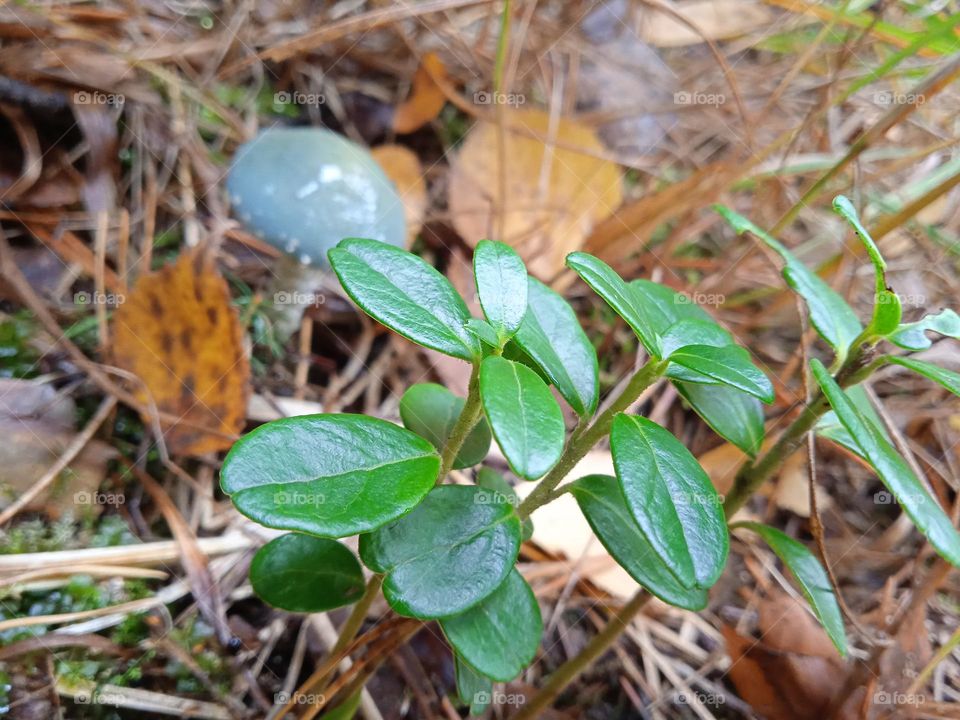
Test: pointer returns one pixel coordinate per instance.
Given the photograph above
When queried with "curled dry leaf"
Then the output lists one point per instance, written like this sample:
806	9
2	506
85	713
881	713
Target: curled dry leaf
557	187
179	334
403	168
426	98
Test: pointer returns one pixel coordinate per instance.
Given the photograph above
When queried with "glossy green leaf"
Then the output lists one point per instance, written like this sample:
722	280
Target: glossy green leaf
501	285
887	312
947	378
447	555
671	498
499	637
490	479
830	427
812	578
328	475
484	332
602	503
892	470
401	291
692	332
553	339
606	283
301	573
473	689
526	420
431	411
730	365
830	315
913	336
734	415
887	309
664	306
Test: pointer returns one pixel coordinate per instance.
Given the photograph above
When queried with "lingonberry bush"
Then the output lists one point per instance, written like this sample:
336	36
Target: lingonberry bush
446	552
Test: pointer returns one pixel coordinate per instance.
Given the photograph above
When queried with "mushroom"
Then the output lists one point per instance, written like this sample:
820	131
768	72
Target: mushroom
303	190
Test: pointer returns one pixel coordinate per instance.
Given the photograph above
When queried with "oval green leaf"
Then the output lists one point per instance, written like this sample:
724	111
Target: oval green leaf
301	573
490	479
401	291
672	500
606	283
447	555
473	689
830	427
730	365
947	378
812	578
526	420
692	332
601	501
552	337
732	414
328	475
501	286
892	470
913	336
499	637
484	332
830	315
431	411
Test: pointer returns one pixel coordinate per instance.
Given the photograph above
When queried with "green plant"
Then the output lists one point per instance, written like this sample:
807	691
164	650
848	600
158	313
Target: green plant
446	552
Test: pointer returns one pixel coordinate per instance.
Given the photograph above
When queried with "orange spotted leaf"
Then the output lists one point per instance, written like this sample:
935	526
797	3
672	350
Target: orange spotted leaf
178	333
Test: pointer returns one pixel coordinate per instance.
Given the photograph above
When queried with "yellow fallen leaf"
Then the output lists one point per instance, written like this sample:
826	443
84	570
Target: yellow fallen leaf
426	99
554	194
179	334
405	171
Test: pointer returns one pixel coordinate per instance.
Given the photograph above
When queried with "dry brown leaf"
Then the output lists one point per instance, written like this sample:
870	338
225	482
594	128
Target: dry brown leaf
623	235
791	490
721	464
37	425
780	685
426	99
793	671
405	171
716	20
786	624
554	194
178	333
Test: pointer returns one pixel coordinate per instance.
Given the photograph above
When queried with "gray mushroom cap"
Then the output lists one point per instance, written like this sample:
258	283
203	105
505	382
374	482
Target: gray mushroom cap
304	189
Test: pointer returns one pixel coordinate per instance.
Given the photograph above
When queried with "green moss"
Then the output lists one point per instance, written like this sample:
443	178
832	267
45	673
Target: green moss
17	358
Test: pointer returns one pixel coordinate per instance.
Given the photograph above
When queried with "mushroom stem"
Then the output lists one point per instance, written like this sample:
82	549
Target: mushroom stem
293	289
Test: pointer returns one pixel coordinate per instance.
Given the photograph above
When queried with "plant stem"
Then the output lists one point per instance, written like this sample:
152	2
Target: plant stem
580	443
351	627
752	474
571	669
359	613
468	418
